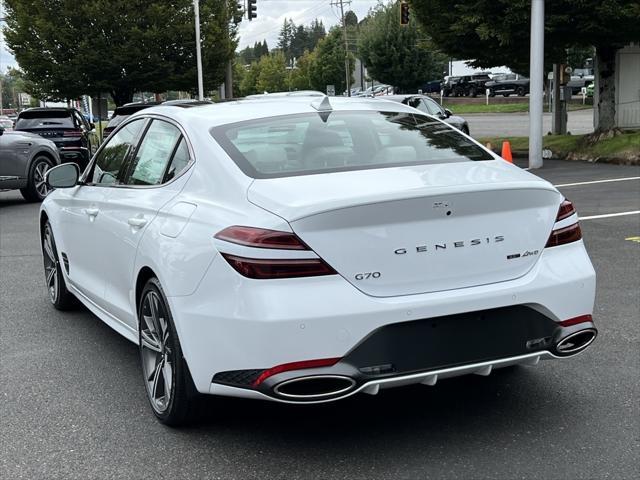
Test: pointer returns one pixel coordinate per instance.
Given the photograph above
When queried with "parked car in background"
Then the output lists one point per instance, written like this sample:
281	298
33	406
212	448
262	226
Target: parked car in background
6	123
434	86
383	90
429	106
507	84
472	85
24	160
120	114
581	77
66	127
449	86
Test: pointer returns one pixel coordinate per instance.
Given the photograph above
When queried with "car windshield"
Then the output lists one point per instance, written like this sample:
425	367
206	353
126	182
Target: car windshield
313	143
44	119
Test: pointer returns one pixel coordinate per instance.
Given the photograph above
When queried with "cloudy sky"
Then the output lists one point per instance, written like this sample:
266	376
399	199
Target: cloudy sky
271	15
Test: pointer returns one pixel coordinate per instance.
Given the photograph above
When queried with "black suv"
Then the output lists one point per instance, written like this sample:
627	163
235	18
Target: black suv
66	127
449	86
472	85
120	114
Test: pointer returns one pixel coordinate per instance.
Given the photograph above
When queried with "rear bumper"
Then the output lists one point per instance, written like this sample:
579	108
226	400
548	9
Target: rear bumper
373	386
232	323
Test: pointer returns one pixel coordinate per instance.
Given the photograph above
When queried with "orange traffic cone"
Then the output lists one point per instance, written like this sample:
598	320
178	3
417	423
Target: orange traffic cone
506	151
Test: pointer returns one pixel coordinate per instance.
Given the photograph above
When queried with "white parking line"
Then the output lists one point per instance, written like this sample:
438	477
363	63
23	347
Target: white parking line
597	181
607	215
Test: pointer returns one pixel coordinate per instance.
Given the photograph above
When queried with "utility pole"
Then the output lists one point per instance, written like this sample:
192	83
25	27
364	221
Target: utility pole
340	3
536	83
196	11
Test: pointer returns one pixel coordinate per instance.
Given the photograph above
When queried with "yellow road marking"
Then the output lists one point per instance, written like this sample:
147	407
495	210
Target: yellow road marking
633	239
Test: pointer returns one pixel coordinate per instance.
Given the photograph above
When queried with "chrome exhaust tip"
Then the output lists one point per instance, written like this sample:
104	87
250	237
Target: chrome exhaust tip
576	342
315	387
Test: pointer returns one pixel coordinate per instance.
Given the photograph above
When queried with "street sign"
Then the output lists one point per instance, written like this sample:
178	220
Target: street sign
331	90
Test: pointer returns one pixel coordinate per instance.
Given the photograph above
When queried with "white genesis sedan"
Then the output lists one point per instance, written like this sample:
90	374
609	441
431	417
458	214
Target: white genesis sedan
305	249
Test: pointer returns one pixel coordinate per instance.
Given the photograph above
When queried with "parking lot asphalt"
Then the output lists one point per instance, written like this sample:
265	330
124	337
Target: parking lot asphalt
74	406
517	124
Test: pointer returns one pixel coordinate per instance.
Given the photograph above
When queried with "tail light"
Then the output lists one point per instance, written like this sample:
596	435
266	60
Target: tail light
568	234
72	133
566	210
287	367
263	268
262	238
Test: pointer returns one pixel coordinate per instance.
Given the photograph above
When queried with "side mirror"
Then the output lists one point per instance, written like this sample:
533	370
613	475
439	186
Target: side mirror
1	130
63	176
448	112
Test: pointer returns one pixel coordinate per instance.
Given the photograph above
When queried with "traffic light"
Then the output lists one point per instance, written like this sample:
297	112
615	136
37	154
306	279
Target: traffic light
404	12
238	13
252	8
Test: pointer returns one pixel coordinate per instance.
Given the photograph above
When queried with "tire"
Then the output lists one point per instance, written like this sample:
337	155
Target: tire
60	297
506	94
165	372
492	93
520	92
36	189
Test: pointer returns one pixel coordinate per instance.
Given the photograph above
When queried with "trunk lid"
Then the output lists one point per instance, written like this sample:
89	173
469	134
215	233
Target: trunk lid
428	228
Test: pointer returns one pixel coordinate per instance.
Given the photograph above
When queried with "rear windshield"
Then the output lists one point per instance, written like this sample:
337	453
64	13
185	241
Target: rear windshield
312	143
44	119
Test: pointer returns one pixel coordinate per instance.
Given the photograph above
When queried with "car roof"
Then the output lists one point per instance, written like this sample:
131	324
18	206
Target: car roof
211	115
48	109
42	112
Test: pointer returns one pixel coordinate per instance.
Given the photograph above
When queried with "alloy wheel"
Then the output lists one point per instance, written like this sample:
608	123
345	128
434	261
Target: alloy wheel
157	353
51	265
39	173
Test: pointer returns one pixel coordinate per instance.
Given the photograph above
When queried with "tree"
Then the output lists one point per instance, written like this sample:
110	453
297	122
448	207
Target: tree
68	48
285	39
328	67
248	85
351	19
299	77
273	73
13	84
316	33
399	55
497	32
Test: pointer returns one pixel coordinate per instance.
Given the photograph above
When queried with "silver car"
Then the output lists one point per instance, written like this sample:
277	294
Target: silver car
24	160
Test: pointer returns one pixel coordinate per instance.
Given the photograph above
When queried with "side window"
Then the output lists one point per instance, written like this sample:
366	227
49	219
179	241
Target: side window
179	161
417	103
153	155
111	165
432	107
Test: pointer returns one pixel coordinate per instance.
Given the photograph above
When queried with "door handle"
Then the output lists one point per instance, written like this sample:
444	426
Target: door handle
137	222
92	212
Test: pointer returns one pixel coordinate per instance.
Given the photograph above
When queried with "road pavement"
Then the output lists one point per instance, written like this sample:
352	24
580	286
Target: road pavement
74	407
517	124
